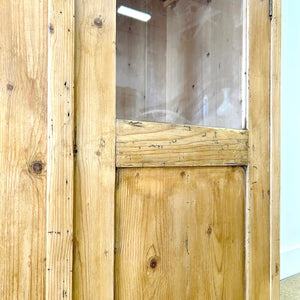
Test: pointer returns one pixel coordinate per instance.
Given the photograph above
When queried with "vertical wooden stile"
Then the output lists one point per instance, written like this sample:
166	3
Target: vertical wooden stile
60	176
275	150
23	150
95	144
258	185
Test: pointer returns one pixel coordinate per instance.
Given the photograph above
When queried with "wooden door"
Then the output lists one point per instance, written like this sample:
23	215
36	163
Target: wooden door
95	207
193	213
193	202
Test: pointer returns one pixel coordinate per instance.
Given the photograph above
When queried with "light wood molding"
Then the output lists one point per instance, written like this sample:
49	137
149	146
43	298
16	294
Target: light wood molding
147	144
275	150
93	273
60	175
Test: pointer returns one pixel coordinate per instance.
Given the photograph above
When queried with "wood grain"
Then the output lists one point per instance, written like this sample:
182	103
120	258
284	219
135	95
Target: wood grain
275	150
180	233
95	147
146	144
258	182
23	148
60	174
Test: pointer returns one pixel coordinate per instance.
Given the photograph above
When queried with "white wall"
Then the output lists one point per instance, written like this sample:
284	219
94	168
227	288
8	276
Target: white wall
290	142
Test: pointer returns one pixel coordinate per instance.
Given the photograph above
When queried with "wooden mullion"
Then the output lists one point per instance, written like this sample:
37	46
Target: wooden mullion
93	272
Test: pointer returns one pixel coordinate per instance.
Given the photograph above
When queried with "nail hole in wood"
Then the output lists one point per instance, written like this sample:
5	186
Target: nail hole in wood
51	28
209	230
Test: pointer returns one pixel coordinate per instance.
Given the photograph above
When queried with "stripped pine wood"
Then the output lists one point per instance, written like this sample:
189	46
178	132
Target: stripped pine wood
60	150
146	144
180	233
258	182
95	147
275	150
23	148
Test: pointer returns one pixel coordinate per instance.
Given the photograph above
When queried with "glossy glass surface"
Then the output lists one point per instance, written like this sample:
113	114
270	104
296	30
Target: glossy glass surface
186	65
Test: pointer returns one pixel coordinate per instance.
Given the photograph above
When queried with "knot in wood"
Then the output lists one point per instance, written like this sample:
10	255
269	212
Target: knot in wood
98	22
153	263
37	167
209	230
10	87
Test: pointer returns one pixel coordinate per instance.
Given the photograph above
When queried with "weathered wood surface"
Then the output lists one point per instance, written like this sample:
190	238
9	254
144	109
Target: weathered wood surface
275	150
60	150
258	183
95	147
23	148
146	144
180	233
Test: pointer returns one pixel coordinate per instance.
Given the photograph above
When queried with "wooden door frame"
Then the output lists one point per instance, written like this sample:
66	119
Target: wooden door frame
263	232
95	162
275	149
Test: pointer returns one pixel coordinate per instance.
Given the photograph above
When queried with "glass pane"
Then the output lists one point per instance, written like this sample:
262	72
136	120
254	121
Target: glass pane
185	65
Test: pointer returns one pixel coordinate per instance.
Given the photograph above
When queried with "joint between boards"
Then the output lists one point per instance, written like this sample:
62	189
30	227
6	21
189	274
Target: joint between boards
118	179
270	9
75	142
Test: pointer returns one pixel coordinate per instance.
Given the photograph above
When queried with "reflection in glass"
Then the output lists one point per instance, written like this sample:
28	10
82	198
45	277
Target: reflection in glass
183	65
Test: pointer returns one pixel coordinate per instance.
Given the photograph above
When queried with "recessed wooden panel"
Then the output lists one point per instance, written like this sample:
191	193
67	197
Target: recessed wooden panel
180	233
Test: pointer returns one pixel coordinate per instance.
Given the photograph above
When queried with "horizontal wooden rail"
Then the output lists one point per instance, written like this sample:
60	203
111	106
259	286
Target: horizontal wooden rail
147	144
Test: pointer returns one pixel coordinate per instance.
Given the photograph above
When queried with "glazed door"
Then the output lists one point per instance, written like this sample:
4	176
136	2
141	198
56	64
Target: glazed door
192	154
